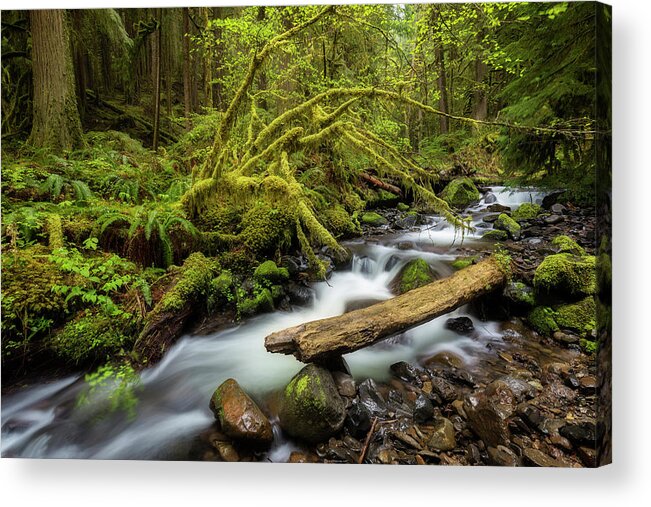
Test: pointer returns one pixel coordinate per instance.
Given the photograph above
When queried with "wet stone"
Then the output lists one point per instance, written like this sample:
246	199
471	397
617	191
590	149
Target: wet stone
540	459
503	456
423	409
406	372
461	325
443	438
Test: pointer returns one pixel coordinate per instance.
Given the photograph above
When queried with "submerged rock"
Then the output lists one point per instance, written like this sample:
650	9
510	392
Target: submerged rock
238	415
461	325
311	407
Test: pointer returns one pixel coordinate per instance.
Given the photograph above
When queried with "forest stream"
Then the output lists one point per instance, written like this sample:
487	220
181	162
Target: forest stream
45	420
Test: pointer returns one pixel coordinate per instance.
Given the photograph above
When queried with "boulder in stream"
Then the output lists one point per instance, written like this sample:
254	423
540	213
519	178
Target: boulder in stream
238	415
311	407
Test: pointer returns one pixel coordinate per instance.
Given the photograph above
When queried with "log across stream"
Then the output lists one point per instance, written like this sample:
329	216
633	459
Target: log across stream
45	421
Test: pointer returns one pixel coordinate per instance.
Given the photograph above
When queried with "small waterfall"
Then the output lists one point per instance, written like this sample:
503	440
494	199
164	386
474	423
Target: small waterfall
44	421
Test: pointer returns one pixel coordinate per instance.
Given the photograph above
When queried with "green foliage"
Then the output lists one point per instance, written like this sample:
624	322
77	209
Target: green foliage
94	336
114	387
268	274
580	317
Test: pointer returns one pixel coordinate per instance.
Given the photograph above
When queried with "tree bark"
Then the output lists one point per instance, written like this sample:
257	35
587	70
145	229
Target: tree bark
187	93
443	90
480	99
320	340
56	124
156	67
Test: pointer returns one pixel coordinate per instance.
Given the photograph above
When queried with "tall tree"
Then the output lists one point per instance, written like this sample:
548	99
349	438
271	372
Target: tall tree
187	93
56	124
156	75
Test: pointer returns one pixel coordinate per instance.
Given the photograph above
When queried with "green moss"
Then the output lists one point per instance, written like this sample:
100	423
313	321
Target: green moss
503	260
579	316
566	274
262	301
526	211
506	223
521	293
415	274
93	337
193	283
269	274
589	346
221	291
373	219
54	231
460	192
542	320
464	262
402	206
339	222
496	235
266	230
565	244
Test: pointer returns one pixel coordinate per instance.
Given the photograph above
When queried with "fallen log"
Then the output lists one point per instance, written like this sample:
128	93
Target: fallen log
320	340
376	182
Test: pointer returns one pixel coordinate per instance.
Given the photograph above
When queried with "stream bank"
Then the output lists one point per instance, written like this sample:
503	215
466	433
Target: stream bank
536	393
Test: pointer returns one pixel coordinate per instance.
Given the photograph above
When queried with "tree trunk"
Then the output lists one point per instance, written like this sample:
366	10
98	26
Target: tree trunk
187	93
323	339
156	64
56	124
443	90
480	99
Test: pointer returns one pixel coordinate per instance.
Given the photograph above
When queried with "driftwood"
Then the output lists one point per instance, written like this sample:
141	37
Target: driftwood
381	184
322	339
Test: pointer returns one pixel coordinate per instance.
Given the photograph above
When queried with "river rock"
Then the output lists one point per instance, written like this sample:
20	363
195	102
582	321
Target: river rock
461	325
503	456
580	431
423	409
443	438
554	219
540	459
407	373
311	408
557	209
443	389
565	338
238	415
445	358
491	217
488	411
498	208
490	198
345	384
299	294
407	221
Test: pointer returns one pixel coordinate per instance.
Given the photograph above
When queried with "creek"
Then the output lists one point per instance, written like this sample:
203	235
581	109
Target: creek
45	421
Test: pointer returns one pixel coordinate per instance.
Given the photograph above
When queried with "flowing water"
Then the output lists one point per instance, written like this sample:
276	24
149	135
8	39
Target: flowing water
45	421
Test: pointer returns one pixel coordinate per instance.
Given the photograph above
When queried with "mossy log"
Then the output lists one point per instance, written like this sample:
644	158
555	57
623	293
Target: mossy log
376	182
321	339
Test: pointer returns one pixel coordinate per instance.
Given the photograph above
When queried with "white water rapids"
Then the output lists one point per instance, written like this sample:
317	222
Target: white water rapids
44	421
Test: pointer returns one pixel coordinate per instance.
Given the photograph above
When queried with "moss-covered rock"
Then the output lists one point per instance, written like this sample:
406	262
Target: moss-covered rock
373	219
269	274
496	235
566	275
580	316
520	294
460	192
311	408
507	224
416	273
526	211
261	301
402	206
565	244
542	320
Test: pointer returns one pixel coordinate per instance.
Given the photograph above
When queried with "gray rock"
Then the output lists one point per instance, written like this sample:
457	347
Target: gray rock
461	325
557	209
490	198
423	409
554	219
503	456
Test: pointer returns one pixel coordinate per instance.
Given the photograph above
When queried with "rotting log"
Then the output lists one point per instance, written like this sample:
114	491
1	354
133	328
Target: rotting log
376	182
320	340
